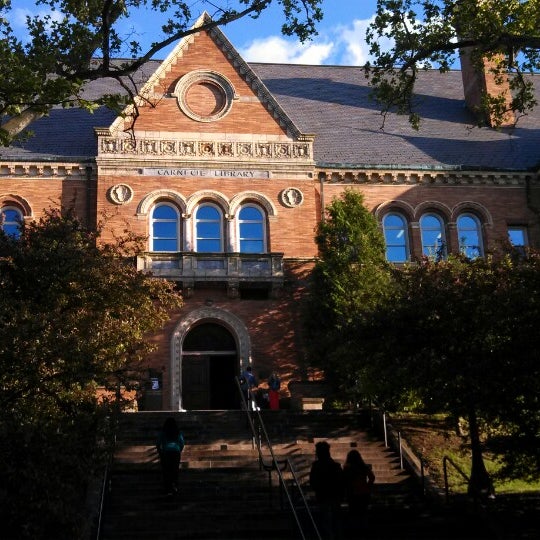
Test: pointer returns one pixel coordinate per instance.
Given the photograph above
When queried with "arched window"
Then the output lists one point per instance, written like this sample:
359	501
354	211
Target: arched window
208	229
165	228
10	221
469	236
433	239
395	236
251	230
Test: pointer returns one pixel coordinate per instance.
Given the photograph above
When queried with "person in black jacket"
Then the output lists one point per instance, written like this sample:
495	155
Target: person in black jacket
326	479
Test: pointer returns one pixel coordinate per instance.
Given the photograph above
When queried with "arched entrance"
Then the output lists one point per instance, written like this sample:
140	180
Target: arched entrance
209	348
209	366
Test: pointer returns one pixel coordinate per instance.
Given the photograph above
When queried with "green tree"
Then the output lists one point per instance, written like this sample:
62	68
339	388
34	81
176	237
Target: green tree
349	279
54	66
74	316
460	335
427	34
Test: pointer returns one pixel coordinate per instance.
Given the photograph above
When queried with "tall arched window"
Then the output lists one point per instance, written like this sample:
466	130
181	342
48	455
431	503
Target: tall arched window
208	229
395	236
251	230
469	236
433	239
165	228
10	221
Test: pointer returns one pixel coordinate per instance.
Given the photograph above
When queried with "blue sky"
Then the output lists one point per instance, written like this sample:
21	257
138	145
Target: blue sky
340	40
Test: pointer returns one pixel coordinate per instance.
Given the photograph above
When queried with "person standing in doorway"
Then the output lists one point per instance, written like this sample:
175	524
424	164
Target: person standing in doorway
326	479
274	385
169	445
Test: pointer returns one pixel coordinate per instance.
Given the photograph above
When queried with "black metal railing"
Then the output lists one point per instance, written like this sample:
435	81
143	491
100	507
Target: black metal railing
260	434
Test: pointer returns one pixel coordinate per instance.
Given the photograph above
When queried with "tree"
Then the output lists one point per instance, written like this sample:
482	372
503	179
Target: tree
74	316
460	335
349	279
53	68
429	33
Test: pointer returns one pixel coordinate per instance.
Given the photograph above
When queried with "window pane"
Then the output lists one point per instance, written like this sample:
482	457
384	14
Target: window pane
206	246
430	222
251	230
251	246
431	228
164	212
164	229
208	230
395	236
208	212
164	245
469	237
517	236
396	254
250	213
10	220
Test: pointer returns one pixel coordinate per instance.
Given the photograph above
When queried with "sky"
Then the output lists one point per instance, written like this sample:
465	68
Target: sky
340	39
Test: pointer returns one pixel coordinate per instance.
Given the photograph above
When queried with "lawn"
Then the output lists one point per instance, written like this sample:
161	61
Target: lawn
432	437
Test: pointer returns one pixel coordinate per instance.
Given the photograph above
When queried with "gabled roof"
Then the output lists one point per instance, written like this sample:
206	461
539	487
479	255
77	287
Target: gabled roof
333	103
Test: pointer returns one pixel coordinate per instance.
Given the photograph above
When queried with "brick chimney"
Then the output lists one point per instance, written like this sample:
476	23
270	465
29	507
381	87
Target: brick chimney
480	78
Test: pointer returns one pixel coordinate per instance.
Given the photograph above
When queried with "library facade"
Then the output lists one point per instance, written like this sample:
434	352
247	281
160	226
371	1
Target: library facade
226	168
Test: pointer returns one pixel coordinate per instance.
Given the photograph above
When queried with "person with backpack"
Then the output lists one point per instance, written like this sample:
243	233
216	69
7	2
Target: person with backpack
248	383
169	445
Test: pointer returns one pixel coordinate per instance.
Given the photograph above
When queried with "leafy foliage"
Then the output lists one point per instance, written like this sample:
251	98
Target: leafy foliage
429	33
53	67
350	278
461	336
74	315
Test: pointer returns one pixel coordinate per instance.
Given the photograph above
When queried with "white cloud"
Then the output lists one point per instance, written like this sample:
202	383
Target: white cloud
341	45
278	49
352	42
18	17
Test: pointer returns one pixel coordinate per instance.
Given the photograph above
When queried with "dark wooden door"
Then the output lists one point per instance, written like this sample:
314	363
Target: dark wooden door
195	382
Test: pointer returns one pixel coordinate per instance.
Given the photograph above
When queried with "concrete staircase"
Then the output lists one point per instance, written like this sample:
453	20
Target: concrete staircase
225	495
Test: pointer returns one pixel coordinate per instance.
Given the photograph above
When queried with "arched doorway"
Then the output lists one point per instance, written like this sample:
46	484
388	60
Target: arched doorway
209	366
209	347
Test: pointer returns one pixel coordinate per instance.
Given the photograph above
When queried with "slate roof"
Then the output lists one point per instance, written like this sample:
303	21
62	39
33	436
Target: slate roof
333	103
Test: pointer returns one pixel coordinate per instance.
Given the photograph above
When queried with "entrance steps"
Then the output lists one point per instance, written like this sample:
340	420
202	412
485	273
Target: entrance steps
223	492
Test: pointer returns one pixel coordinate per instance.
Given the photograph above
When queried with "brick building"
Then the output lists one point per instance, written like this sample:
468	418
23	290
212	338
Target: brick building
226	167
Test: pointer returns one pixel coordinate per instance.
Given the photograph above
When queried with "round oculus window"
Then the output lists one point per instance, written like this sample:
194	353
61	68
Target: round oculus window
204	96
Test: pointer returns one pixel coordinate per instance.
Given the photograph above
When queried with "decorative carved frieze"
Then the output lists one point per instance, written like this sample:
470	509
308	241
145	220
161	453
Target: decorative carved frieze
266	150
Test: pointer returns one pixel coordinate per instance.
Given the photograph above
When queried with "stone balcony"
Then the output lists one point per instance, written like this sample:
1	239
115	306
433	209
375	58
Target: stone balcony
232	269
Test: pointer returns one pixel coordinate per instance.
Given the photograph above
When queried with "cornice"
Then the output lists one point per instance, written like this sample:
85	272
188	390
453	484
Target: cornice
420	177
33	169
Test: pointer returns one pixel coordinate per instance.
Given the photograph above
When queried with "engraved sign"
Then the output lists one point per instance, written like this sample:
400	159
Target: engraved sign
206	173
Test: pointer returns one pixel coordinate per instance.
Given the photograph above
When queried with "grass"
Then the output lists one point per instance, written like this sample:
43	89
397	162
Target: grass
432	437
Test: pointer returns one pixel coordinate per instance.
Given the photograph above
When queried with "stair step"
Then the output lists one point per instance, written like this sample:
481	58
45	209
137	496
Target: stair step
220	478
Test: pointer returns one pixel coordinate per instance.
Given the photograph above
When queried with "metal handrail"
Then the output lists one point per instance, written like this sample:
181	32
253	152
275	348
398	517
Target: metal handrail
447	459
275	465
